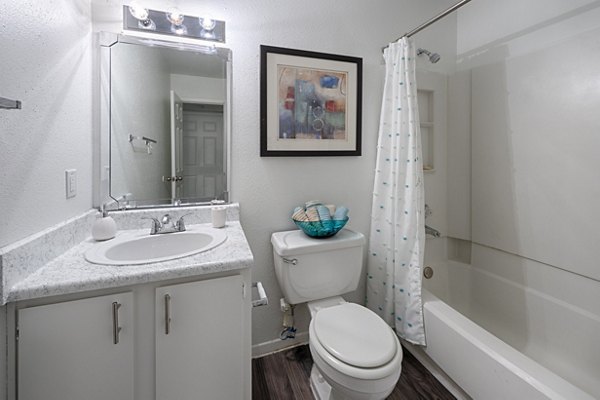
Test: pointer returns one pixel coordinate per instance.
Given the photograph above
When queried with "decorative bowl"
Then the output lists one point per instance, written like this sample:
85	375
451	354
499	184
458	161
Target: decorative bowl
321	229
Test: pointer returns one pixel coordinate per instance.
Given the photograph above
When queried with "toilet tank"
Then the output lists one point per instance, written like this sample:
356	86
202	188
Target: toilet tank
310	269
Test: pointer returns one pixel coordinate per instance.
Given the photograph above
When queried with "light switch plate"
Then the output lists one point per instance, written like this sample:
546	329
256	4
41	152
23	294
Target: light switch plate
71	182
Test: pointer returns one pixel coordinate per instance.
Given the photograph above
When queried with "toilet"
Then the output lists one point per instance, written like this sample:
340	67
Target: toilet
356	354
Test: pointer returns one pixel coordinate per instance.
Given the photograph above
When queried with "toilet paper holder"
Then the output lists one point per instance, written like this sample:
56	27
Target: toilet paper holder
263	300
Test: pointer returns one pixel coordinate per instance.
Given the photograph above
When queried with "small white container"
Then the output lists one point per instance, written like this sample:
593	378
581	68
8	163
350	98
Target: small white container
219	217
104	227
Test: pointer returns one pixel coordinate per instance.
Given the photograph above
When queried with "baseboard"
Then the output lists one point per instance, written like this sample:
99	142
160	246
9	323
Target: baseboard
436	371
275	345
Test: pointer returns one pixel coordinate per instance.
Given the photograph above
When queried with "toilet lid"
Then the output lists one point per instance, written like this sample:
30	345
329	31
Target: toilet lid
355	335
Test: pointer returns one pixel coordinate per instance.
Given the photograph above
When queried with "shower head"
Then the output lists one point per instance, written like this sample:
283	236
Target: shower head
433	57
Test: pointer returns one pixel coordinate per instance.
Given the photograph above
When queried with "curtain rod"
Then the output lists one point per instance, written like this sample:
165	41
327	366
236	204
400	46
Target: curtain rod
432	20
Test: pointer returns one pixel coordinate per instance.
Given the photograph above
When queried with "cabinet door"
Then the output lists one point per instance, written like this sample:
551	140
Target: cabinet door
199	340
67	351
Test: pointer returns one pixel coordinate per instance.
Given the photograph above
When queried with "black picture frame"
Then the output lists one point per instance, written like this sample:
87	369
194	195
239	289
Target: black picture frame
310	103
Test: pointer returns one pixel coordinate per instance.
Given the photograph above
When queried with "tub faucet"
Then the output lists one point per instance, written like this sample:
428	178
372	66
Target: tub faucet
433	232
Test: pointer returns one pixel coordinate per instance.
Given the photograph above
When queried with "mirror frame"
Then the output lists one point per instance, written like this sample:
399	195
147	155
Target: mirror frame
103	197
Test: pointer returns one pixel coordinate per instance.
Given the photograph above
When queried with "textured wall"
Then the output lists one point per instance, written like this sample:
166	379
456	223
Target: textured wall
199	89
269	188
46	65
50	69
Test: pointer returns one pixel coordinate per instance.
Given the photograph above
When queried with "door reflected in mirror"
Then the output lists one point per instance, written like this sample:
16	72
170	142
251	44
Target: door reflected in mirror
168	119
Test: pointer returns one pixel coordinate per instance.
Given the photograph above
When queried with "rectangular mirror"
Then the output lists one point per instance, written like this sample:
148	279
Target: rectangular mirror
165	122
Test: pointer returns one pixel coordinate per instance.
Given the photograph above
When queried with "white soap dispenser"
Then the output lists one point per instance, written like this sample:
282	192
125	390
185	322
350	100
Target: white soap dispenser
104	227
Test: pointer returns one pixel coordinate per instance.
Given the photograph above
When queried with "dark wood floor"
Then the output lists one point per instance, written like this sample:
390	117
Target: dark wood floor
285	375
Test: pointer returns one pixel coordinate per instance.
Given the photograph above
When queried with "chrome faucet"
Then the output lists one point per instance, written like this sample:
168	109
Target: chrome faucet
429	230
167	225
433	232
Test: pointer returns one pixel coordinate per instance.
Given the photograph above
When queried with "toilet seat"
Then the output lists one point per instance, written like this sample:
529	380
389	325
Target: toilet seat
355	335
352	349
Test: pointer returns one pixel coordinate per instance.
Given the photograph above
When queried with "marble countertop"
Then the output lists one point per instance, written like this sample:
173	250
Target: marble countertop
72	273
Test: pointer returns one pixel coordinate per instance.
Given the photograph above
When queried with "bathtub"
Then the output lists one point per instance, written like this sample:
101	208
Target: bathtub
469	308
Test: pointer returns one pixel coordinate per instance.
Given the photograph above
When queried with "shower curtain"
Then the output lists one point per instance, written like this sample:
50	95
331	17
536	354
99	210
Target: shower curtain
397	235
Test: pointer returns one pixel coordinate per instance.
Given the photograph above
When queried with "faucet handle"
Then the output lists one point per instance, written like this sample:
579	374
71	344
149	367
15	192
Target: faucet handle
156	225
180	224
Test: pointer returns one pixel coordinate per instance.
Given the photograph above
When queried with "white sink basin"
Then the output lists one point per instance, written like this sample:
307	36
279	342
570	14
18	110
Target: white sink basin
137	247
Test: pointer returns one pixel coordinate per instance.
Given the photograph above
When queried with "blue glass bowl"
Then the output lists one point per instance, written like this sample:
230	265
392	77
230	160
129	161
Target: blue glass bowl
321	229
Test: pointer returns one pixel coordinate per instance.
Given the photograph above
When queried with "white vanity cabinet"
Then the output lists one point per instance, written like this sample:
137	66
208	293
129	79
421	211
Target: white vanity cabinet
178	339
81	349
199	342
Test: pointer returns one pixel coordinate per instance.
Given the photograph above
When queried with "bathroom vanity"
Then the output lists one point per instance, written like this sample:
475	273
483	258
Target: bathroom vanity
173	328
176	329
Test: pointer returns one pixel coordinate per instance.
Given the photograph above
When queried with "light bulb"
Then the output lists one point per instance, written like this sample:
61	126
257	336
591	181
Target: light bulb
179	29
138	11
208	35
175	16
207	24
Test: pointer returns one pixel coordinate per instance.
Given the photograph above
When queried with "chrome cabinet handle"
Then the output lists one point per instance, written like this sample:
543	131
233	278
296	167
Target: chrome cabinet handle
292	261
116	327
167	314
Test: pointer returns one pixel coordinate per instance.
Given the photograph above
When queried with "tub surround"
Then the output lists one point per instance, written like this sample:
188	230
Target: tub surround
52	262
458	314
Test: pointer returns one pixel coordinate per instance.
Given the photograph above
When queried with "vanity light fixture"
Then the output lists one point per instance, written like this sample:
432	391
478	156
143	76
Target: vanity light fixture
171	22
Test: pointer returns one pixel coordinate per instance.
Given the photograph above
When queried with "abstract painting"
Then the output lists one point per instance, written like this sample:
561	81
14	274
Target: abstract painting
310	103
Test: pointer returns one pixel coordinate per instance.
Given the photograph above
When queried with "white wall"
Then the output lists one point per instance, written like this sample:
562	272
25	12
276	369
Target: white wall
50	69
269	188
47	65
199	89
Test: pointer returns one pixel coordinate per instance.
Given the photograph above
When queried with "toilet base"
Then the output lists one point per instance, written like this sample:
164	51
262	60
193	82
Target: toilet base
318	385
322	390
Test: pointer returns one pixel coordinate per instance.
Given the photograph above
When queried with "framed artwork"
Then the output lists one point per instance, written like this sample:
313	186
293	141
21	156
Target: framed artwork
310	103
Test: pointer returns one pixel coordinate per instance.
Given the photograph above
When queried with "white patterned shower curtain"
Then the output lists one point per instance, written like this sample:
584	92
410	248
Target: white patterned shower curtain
397	236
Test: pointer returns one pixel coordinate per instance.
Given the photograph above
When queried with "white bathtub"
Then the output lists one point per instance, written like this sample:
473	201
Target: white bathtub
461	299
